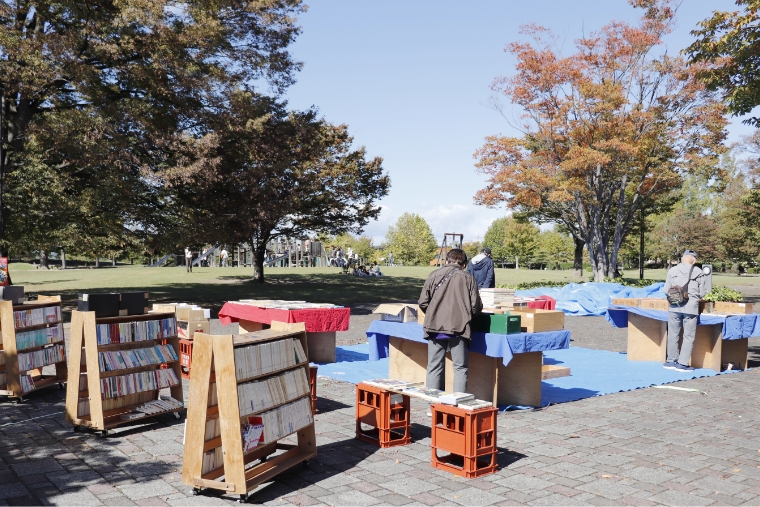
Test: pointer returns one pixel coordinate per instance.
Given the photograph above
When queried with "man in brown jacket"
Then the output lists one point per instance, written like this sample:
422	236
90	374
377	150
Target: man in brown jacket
449	299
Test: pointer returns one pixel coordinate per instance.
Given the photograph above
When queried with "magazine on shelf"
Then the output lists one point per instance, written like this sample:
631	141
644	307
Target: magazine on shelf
253	434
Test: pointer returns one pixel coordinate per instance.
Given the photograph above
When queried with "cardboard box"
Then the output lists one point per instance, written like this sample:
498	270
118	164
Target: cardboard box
13	293
104	304
398	312
728	308
421	317
626	302
554	371
133	303
706	307
186	330
539	321
496	323
192	313
654	304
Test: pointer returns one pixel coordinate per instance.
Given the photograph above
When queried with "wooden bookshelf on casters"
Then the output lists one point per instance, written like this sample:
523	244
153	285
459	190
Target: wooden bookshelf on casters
85	375
214	363
12	385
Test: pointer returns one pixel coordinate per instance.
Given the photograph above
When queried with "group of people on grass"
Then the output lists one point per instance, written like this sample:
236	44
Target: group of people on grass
450	298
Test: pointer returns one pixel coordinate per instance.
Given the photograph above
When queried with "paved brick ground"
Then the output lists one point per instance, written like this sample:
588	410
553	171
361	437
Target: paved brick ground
646	447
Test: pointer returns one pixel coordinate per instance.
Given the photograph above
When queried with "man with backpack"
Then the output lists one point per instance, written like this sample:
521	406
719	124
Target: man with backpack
449	299
684	287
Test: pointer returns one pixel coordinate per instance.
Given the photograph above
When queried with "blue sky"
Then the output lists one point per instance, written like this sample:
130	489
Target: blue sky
411	80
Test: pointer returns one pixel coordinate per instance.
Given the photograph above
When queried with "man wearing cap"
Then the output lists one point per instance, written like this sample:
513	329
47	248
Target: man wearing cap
481	267
684	315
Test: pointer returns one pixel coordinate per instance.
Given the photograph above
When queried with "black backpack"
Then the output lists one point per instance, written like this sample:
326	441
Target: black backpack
679	294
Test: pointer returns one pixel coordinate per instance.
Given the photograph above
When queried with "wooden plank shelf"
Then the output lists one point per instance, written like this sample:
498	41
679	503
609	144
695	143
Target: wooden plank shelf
83	345
10	352
214	363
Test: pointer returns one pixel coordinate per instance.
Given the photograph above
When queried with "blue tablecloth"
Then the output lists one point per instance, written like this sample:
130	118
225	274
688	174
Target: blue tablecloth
493	345
735	327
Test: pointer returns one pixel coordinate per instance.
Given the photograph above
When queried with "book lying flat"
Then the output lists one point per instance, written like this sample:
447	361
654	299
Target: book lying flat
454	398
474	404
387	383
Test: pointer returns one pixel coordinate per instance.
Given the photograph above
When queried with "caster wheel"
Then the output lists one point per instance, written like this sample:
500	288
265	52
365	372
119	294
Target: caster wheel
103	434
242	499
196	491
305	463
176	415
77	429
60	385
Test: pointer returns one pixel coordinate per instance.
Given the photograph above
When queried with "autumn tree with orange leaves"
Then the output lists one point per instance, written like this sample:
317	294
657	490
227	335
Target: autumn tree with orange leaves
609	128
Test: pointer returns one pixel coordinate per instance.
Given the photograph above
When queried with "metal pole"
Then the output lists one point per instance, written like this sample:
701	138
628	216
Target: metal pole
641	247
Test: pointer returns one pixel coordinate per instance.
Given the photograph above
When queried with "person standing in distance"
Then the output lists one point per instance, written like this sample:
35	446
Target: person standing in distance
449	299
189	259
685	287
481	268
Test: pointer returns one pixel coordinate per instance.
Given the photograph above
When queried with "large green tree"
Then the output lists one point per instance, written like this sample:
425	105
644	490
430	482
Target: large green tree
494	238
411	240
141	73
730	43
265	172
521	240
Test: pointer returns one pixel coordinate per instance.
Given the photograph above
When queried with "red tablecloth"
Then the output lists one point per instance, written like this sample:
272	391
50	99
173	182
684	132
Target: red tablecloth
318	320
543	303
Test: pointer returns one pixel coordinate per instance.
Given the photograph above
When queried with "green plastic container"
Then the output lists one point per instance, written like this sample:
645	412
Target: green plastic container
496	323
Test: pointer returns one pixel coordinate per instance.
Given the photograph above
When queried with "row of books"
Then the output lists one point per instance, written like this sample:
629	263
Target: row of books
126	332
213	429
460	400
257	396
37	316
135	358
29	339
278	304
255	360
284	420
212	460
122	385
39	358
213	399
27	383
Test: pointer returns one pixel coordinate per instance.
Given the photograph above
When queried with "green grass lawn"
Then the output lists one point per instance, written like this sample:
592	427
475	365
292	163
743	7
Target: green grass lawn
211	287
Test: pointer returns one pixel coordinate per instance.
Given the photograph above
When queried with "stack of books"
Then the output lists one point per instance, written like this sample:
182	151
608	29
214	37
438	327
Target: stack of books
255	360
461	400
135	358
493	298
279	304
257	396
121	385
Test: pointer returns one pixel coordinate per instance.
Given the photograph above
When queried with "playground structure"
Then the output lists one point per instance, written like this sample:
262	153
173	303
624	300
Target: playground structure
450	240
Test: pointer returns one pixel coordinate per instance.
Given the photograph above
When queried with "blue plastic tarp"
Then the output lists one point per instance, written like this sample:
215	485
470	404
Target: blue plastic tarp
735	327
592	298
489	344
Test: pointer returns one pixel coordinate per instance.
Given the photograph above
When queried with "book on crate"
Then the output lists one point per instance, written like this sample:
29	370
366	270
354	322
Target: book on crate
260	395
263	358
387	383
474	404
437	396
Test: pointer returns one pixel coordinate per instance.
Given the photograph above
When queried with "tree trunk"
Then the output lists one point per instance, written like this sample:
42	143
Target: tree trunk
258	262
113	261
578	258
63	258
97	262
43	259
517	262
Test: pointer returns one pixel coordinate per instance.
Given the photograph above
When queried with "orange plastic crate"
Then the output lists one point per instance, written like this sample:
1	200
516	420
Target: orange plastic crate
390	422
185	357
313	386
469	438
